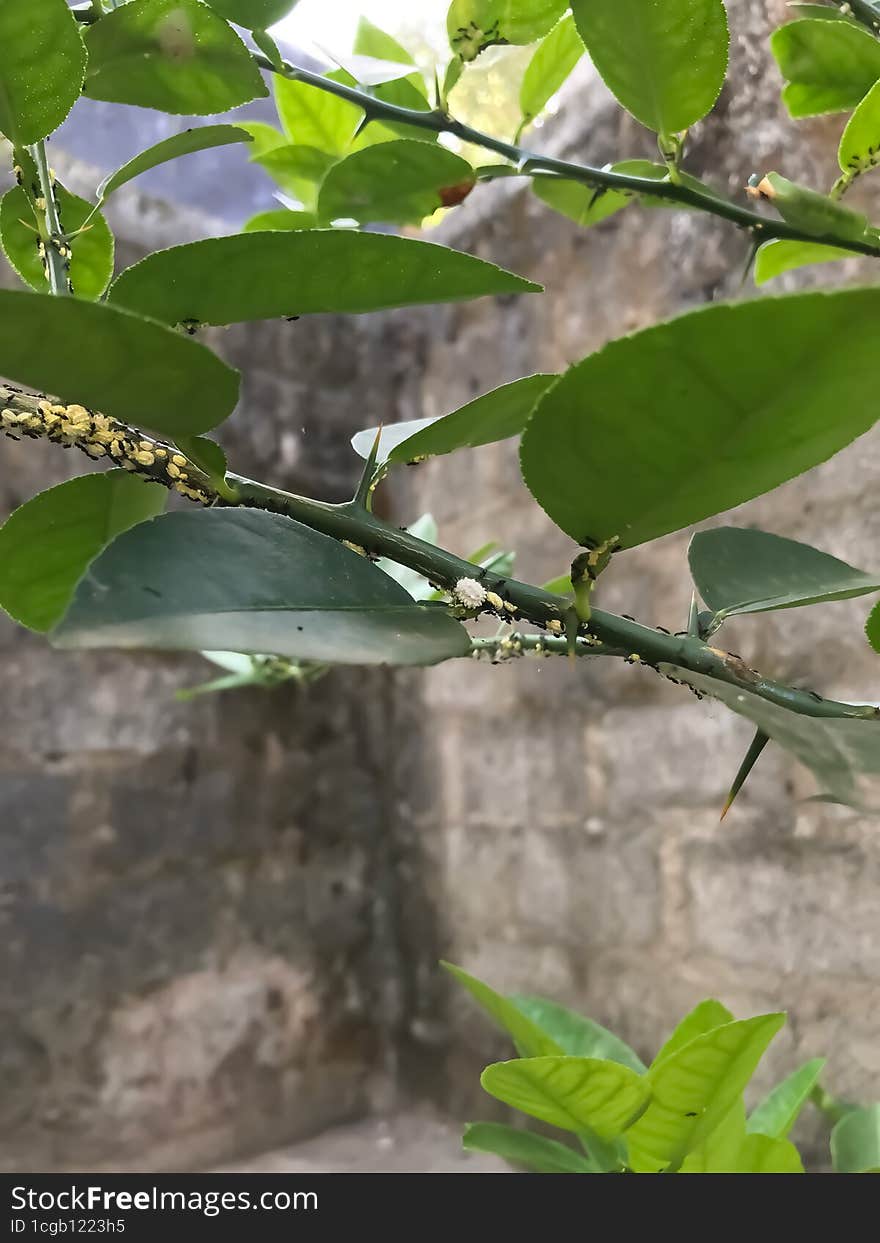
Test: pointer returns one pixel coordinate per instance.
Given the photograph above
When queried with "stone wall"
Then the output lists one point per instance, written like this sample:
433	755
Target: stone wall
221	921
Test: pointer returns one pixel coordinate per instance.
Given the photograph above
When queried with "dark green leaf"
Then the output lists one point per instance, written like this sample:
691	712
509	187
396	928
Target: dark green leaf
574	1093
780	255
778	1111
843	753
829	65
855	1142
694	1088
115	362
225	280
298	169
546	1156
740	570
174	55
91	263
530	1039
576	1035
173	148
42	68
48	543
554	59
205	453
859	148
253	14
496	415
664	62
280	219
474	25
657	431
705	1017
245	580
401	182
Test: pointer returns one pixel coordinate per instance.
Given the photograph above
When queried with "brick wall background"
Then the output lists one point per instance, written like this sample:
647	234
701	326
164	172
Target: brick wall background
221	920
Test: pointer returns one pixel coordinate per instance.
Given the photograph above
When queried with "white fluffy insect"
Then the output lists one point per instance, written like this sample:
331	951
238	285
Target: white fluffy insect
470	593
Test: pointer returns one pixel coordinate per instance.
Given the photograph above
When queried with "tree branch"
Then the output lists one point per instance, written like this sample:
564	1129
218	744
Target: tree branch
435	121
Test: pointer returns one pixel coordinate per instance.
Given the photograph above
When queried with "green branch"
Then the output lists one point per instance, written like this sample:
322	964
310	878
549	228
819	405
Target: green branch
527	162
54	242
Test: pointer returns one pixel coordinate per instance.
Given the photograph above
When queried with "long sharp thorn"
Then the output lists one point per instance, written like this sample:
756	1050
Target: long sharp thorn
369	471
693	626
756	746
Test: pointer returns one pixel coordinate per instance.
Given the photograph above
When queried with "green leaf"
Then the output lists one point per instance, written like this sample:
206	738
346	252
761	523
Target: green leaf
554	59
576	1035
42	68
174	55
872	628
855	1142
263	137
780	255
48	543
778	1111
225	280
401	182
546	1156
299	170
829	65
574	1093
657	431
729	1150
205	453
497	415
529	1039
245	580
761	1154
843	753
311	117
859	148
191	140
280	219
106	358
747	571
665	63
91	263
370	40
694	1088
704	1017
824	12
253	14
474	25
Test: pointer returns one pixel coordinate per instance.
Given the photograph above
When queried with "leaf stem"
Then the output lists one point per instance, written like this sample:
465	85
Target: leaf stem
54	241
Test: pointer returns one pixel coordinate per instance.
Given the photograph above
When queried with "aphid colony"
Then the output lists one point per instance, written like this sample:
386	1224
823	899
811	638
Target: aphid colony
100	436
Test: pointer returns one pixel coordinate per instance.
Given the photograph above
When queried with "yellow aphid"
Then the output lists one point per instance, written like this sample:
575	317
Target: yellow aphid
494	601
143	458
555	625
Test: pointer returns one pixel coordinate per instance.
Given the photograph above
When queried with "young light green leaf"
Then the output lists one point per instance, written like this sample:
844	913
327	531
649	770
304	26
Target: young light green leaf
554	59
174	55
781	255
400	182
371	41
693	1089
263	137
730	1150
253	14
191	140
705	1017
299	170
829	65
545	1156
311	117
762	1154
474	25
42	68
842	752
576	1035
778	1111
113	361
91	251
245	580
497	415
859	148
742	570
529	1038
616	449
281	219
573	1093
855	1142
226	280
49	542
665	63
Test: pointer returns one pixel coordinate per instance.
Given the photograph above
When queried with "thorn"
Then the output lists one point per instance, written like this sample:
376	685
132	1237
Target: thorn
693	625
757	242
756	746
365	483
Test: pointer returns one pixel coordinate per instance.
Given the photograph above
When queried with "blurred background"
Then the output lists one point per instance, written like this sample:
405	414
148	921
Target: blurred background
221	919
